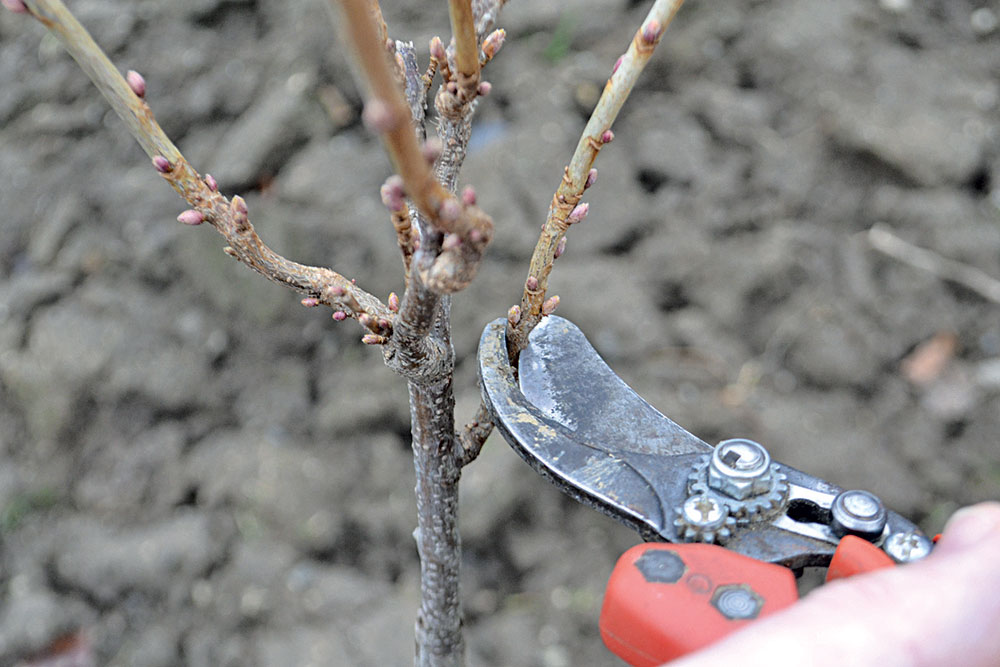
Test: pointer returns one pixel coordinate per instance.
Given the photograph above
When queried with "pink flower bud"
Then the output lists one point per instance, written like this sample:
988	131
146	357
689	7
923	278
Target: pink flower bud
384	324
365	320
210	182
475	236
484	88
591	179
431	150
560	248
191	217
437	50
136	83
651	32
452	87
493	42
310	302
339	315
578	213
337	290
16	6
550	305
514	315
393	195
531	283
373	339
607	137
378	115
393	302
451	242
618	63
469	196
162	164
450	210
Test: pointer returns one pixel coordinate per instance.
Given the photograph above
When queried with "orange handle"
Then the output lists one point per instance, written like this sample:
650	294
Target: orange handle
666	600
856	556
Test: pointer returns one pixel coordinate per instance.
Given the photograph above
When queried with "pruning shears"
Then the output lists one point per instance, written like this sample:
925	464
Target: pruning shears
727	528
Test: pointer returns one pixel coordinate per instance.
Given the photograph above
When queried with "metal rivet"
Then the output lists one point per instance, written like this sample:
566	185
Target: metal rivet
858	513
907	547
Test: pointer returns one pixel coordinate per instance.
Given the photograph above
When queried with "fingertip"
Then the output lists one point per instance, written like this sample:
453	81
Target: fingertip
971	527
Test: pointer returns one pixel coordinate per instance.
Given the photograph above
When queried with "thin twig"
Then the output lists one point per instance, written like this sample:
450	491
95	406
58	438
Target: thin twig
466	49
320	285
978	281
565	207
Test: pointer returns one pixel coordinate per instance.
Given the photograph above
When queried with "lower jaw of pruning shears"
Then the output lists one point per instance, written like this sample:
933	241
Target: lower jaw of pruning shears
736	520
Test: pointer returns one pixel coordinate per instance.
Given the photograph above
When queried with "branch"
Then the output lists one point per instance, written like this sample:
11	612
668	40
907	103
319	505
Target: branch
565	208
387	112
466	49
230	218
978	281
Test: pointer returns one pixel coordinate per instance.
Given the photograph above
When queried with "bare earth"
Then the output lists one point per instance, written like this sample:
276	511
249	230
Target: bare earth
195	470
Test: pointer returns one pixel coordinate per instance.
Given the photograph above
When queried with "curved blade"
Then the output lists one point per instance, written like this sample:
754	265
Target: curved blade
576	423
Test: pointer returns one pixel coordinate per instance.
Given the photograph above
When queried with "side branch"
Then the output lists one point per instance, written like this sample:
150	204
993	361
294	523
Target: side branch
230	218
388	112
565	208
466	49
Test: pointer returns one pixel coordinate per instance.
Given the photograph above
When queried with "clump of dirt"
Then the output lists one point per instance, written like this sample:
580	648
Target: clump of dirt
197	471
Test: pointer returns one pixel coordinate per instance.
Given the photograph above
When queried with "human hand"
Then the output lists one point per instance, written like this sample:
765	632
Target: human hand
943	610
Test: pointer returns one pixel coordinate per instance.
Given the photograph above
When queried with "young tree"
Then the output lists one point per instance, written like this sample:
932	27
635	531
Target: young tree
442	238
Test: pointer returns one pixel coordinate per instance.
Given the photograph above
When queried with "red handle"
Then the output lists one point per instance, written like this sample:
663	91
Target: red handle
666	600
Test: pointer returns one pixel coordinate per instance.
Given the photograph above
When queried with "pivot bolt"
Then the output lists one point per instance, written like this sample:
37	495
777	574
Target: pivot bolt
907	547
858	513
740	468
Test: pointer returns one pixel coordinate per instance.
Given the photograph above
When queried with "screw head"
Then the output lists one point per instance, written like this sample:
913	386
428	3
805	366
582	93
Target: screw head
907	547
704	512
740	468
737	601
858	513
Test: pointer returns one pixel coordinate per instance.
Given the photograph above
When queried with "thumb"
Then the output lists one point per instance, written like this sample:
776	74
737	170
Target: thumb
943	610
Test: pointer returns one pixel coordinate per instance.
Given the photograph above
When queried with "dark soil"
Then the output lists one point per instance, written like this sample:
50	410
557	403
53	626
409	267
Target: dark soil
198	471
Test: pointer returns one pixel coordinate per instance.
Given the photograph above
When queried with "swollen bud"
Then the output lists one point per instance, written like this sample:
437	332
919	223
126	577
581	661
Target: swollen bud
578	213
393	193
560	248
373	339
310	302
451	242
339	315
450	210
531	283
393	302
618	63
469	196
210	182
607	137
162	164
514	315
16	6
136	83
651	32
191	217
591	179
493	42
484	88
437	49
550	305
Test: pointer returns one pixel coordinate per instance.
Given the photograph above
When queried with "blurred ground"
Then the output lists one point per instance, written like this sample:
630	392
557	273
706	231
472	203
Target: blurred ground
196	470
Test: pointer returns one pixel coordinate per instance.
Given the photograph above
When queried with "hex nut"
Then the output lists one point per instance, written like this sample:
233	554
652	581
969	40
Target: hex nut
740	468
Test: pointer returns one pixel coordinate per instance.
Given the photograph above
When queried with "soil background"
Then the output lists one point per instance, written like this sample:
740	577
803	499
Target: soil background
195	470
